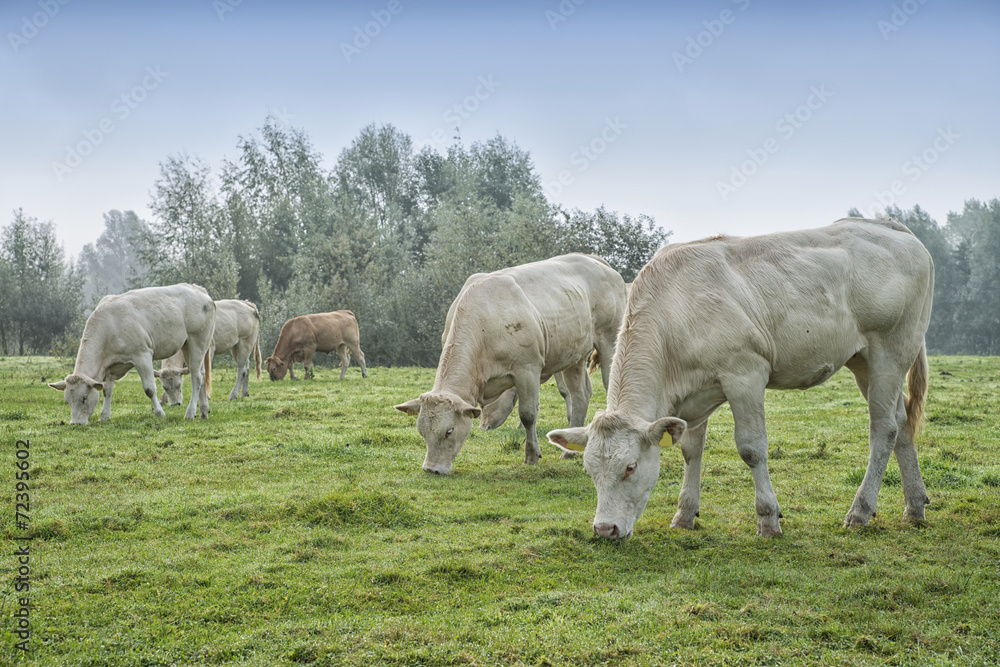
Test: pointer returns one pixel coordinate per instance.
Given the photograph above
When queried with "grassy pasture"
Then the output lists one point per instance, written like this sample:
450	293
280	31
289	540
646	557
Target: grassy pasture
297	528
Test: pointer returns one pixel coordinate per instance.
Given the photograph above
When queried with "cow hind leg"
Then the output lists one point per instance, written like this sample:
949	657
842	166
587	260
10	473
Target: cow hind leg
345	359
241	373
881	384
689	501
914	492
360	356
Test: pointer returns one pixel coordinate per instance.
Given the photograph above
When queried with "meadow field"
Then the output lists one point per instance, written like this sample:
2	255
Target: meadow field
296	527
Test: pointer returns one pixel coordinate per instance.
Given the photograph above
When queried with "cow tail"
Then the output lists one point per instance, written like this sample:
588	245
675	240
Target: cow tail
256	356
595	361
916	387
208	373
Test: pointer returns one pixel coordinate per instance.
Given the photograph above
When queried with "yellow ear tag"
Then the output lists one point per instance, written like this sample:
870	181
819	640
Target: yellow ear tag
666	440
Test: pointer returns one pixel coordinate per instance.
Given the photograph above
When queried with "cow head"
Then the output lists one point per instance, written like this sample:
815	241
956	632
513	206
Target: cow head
172	380
276	368
622	455
82	394
444	420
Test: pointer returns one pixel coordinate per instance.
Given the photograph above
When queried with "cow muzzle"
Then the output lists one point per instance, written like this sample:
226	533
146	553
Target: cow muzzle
608	530
437	470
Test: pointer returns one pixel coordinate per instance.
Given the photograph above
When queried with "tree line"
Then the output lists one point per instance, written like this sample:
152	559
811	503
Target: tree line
391	232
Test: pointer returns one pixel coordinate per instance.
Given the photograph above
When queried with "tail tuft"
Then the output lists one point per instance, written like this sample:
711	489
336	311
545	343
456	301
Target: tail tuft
916	387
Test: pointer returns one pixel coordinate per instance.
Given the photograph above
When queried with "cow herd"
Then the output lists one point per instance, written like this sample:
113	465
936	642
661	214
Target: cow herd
704	323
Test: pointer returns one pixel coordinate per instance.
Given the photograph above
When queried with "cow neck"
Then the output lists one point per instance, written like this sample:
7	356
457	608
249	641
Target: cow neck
89	361
460	372
639	385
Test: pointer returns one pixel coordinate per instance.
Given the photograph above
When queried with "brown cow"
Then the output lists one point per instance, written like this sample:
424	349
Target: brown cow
303	336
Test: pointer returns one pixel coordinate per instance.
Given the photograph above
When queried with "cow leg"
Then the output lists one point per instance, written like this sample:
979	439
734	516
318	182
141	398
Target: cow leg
360	356
495	413
527	409
689	502
199	396
109	388
914	492
247	353
746	399
307	364
345	359
241	372
605	345
144	367
564	392
881	383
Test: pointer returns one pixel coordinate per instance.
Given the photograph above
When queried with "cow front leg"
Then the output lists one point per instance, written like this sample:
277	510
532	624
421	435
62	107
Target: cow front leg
109	388
747	403
527	410
689	501
144	367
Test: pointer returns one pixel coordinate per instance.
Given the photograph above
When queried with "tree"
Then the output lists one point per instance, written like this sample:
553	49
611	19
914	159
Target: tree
191	240
626	243
113	264
40	294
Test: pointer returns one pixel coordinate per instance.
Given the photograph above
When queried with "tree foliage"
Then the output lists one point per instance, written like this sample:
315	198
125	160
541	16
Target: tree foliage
39	293
392	234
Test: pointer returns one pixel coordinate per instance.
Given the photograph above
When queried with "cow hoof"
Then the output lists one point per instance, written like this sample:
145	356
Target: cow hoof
568	455
768	532
854	520
680	522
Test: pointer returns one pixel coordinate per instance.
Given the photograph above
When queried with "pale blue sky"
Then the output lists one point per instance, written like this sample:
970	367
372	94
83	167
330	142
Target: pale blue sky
664	139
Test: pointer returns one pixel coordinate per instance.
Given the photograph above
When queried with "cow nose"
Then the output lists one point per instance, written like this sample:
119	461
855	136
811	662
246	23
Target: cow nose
609	530
436	471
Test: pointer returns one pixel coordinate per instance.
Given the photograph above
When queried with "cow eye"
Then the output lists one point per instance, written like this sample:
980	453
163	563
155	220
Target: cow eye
449	432
629	469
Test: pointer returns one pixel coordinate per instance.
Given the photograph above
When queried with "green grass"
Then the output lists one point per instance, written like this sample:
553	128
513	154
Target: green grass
297	528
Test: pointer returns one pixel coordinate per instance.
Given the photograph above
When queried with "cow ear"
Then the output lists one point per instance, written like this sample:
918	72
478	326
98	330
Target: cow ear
471	412
410	407
569	439
185	371
668	427
61	385
156	373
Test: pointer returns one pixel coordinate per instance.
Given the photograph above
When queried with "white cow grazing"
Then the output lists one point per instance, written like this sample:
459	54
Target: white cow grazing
237	328
721	320
133	329
515	328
